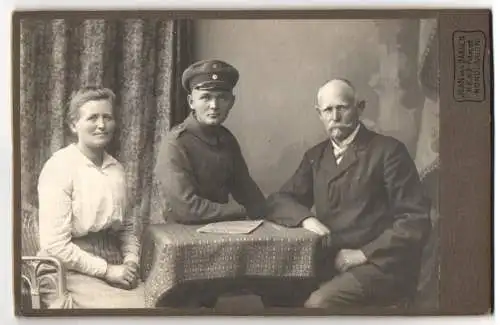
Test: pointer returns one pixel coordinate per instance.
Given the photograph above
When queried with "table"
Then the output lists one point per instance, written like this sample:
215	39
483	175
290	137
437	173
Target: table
173	254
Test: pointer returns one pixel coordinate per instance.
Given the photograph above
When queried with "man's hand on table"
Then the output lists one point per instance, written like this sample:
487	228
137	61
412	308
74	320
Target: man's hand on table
349	258
314	225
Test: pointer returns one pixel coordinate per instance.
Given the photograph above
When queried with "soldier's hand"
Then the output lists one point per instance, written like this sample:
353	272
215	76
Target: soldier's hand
235	211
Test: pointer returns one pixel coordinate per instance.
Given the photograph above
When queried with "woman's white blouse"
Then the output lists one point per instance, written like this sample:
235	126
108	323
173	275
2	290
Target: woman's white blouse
77	197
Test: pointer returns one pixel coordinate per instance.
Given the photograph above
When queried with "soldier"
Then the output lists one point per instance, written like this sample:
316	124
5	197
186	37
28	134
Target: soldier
203	174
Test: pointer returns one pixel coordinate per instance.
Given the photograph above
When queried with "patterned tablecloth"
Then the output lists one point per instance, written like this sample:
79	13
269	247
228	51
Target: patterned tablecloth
173	254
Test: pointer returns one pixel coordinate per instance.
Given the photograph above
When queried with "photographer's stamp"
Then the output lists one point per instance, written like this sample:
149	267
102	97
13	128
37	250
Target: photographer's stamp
468	54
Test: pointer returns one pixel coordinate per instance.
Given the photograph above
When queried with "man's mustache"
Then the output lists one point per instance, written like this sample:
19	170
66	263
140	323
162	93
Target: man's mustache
340	126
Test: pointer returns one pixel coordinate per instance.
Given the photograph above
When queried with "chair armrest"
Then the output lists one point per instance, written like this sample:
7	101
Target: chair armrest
34	264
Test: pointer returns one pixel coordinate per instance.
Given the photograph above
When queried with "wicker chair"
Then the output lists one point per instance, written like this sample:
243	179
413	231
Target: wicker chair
32	266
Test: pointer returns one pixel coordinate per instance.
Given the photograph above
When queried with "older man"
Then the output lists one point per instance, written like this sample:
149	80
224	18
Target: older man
368	202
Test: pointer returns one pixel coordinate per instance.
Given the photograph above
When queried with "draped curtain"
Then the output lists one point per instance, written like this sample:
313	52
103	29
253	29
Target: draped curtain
141	60
427	156
408	88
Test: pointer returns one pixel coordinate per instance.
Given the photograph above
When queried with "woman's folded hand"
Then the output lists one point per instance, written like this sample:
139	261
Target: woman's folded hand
123	276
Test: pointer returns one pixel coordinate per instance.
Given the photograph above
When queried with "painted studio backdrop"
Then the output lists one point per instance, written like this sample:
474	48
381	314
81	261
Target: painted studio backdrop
282	63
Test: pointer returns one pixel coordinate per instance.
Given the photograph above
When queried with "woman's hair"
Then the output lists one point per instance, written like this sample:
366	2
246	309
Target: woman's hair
84	95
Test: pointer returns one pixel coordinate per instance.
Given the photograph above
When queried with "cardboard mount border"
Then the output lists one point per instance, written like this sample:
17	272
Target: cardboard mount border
466	156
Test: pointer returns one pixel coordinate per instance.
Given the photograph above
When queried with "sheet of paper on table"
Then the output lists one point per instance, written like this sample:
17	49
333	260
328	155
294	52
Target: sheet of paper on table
231	227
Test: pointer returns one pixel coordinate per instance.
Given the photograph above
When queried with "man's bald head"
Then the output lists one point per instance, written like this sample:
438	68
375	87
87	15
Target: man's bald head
338	87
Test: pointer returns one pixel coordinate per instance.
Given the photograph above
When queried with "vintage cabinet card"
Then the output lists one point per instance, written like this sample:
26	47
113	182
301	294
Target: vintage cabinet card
359	141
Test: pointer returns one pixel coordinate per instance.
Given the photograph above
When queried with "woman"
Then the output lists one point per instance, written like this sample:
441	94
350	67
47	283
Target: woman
83	214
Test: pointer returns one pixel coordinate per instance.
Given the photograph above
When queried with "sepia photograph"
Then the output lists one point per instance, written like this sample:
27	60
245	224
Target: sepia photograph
231	165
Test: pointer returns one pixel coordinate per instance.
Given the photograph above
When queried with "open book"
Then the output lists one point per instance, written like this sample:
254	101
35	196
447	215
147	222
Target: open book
231	227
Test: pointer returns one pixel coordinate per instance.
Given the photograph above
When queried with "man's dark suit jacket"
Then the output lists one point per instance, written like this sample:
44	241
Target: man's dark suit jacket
373	201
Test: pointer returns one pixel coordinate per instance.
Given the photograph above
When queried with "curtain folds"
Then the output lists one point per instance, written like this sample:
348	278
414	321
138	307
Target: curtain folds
141	60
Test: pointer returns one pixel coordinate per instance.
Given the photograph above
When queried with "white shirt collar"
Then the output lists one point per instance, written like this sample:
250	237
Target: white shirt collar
108	160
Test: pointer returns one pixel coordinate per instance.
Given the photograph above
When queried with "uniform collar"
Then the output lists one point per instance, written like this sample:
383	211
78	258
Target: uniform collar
212	135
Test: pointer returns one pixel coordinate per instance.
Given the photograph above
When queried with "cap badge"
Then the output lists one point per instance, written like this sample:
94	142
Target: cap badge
214	77
214	65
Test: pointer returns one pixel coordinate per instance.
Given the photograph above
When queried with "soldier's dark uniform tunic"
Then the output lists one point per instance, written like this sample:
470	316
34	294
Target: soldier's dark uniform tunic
199	167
